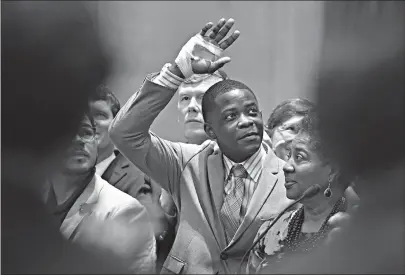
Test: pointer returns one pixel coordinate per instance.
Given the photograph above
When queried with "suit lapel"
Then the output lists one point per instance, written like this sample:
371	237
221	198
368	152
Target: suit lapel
265	187
81	207
118	167
216	176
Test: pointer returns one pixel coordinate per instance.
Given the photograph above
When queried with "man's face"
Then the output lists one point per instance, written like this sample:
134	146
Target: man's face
237	124
82	154
189	105
283	134
103	116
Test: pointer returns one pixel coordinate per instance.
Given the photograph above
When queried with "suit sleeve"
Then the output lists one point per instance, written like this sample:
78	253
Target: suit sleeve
160	159
138	246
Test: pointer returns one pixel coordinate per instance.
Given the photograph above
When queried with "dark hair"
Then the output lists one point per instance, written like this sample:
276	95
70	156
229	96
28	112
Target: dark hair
105	94
217	89
309	134
52	61
309	126
286	110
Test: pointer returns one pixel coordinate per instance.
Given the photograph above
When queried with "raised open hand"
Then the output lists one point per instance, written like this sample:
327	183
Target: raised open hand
202	53
201	63
219	32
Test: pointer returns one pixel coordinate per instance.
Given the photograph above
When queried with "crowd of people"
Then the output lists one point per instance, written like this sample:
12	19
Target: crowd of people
241	196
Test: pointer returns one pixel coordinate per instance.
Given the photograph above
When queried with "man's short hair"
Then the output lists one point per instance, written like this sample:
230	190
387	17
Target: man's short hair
286	110
217	89
105	94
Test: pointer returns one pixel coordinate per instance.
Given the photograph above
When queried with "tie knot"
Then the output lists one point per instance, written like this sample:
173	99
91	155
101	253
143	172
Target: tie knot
239	171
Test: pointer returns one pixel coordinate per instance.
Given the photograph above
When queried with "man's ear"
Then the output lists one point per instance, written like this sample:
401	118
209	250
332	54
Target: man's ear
209	131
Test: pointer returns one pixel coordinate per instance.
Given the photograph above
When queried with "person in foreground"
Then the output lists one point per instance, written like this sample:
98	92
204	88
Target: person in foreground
96	215
217	222
52	56
372	92
303	230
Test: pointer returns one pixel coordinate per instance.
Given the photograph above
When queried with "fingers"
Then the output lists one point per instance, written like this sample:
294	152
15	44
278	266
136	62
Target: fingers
339	222
228	42
215	30
220	31
206	28
340	219
224	30
333	235
203	66
352	200
214	66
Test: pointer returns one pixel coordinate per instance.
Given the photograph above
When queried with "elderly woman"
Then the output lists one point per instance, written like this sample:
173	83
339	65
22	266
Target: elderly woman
302	230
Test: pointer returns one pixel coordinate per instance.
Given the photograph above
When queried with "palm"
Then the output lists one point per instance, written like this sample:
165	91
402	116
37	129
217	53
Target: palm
204	61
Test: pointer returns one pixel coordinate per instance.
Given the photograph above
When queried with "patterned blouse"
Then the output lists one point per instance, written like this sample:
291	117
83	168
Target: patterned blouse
270	246
272	251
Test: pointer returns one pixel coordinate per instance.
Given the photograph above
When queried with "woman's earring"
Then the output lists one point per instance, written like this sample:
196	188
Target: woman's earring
328	191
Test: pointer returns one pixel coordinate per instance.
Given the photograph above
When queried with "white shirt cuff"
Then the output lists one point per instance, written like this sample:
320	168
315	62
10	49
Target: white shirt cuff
168	79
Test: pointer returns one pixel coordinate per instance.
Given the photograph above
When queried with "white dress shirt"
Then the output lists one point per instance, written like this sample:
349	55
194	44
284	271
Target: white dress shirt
102	166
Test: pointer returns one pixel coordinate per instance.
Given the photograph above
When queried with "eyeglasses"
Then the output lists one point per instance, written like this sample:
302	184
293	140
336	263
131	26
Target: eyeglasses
86	134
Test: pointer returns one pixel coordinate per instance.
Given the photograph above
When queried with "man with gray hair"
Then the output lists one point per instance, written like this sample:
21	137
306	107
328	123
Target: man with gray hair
191	92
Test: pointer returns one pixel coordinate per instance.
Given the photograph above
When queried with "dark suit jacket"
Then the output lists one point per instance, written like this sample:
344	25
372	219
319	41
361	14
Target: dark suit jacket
125	176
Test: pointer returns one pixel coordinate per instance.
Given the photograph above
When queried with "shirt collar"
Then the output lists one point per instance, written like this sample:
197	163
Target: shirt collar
103	165
253	165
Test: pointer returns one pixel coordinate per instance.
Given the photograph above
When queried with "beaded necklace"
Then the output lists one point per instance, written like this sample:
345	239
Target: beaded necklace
297	242
294	243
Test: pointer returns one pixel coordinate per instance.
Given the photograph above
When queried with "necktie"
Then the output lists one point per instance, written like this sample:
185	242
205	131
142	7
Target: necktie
230	211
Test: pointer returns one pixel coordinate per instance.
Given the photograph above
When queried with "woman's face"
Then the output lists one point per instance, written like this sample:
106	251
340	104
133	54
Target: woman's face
303	168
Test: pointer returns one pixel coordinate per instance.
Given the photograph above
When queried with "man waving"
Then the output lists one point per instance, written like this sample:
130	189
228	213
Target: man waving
222	195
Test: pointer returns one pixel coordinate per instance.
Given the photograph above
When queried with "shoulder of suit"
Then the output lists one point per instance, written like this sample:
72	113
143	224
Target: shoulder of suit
190	151
210	145
110	196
